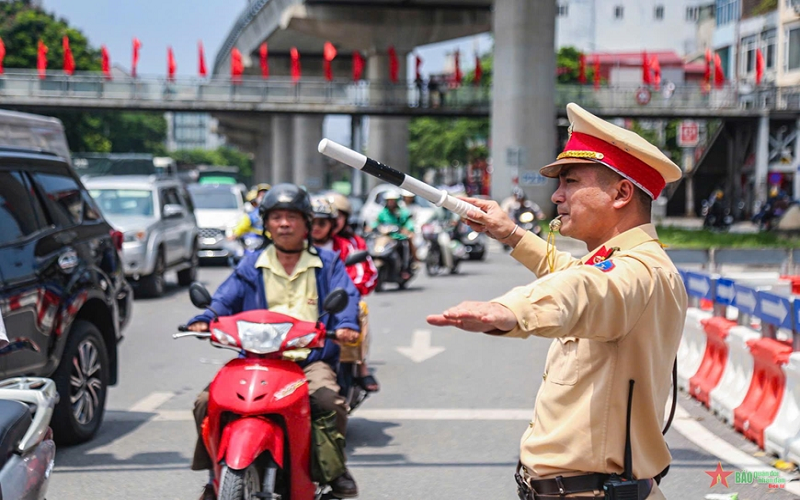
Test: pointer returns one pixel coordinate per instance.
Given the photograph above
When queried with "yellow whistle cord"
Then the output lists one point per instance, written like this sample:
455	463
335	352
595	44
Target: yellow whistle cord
550	255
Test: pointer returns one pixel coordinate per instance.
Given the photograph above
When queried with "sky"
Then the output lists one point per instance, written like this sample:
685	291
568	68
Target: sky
181	24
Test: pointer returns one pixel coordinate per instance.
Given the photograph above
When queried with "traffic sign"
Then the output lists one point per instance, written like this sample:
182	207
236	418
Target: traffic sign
725	291
688	134
774	309
700	285
796	315
745	299
531	178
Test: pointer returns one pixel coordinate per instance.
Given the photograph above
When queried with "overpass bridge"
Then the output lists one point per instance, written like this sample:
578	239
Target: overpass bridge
23	90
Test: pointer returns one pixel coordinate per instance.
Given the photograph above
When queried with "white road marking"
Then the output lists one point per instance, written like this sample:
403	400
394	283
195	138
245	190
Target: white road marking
369	414
420	349
150	402
707	440
443	414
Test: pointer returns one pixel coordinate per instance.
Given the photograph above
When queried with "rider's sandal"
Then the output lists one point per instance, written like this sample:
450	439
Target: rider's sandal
369	383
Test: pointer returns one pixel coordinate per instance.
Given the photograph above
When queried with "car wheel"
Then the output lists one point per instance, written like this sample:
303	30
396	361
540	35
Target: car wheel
82	381
153	285
189	275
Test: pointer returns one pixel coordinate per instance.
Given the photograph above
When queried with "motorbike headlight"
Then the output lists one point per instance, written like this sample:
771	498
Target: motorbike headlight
526	217
472	236
262	338
223	337
301	342
134	236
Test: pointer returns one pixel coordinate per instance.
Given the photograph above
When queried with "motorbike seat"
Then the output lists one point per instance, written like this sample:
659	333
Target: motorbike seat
15	419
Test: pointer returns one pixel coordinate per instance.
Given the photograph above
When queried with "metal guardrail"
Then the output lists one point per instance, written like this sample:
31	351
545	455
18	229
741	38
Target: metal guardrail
786	259
89	89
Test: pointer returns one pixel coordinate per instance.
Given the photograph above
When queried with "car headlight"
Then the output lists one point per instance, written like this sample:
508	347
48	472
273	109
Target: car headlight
262	338
134	236
526	217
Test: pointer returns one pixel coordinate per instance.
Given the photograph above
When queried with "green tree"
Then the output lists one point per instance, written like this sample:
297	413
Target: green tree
435	142
21	28
568	66
222	156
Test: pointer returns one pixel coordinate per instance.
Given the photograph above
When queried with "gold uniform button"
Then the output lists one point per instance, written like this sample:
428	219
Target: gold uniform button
544	376
525	323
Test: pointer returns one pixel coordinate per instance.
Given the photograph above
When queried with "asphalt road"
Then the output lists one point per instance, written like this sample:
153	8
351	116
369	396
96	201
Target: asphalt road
402	445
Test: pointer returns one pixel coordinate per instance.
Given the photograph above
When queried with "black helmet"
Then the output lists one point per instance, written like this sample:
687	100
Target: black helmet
286	196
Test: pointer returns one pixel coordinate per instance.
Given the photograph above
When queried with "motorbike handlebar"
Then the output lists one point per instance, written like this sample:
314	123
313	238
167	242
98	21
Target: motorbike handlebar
183	328
199	335
330	335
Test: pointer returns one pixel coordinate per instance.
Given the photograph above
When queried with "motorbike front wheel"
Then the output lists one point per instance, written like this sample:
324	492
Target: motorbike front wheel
241	484
433	263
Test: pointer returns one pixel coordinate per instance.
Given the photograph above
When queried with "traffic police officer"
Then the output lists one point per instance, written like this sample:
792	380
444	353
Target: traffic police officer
616	317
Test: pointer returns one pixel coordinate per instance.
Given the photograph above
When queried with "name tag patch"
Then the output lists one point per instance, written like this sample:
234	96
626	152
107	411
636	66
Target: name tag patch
605	266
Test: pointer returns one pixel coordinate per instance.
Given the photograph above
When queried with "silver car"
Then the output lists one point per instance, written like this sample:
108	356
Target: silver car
157	219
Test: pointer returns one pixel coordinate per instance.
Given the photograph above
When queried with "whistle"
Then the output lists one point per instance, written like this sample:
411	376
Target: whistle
555	224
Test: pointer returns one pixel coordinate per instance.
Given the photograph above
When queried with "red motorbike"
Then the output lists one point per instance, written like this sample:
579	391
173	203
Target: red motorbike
258	427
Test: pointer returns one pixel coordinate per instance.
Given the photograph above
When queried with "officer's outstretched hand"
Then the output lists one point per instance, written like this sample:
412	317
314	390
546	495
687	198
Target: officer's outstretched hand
493	221
482	317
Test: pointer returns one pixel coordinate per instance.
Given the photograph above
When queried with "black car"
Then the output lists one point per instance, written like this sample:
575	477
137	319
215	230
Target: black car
63	294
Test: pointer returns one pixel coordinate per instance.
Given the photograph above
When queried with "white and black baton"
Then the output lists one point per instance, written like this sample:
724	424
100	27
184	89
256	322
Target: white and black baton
438	197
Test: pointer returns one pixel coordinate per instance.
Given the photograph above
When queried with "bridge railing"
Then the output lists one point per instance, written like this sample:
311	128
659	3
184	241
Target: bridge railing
24	85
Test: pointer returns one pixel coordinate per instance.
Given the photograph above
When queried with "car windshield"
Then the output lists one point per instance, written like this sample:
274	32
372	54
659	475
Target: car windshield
124	201
214	199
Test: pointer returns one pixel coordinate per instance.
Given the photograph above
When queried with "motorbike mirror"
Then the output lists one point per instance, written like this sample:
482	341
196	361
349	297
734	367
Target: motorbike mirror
199	295
336	301
356	257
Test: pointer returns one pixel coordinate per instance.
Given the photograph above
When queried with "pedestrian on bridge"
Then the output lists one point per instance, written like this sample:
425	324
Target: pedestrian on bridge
616	317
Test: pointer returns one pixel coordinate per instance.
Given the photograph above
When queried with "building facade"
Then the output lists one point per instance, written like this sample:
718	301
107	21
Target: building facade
192	131
629	25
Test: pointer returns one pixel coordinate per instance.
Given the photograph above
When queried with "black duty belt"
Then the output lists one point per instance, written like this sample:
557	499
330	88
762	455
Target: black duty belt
558	487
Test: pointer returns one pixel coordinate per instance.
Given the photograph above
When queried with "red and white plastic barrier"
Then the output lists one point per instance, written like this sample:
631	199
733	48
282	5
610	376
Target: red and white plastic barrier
714	359
732	388
783	436
692	347
760	405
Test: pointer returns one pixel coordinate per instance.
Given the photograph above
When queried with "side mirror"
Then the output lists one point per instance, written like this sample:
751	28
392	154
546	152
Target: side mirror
173	211
199	295
335	302
356	257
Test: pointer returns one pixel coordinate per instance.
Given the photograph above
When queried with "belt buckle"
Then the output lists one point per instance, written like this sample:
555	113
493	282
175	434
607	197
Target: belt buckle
524	490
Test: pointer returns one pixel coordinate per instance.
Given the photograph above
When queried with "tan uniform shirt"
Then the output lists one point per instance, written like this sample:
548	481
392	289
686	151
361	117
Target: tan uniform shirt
295	295
617	320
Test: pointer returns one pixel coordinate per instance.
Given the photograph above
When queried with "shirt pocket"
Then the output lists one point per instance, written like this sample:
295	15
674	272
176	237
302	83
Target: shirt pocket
564	365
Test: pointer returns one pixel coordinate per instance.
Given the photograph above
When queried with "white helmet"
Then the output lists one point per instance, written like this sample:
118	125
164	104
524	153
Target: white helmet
406	194
391	195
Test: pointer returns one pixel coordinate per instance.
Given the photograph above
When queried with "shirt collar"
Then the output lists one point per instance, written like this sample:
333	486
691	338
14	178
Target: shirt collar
269	260
625	241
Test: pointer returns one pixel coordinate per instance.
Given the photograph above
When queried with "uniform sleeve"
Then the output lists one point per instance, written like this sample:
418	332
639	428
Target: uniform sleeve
227	300
594	302
531	252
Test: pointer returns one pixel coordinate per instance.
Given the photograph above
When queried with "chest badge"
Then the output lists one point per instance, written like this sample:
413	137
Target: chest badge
605	266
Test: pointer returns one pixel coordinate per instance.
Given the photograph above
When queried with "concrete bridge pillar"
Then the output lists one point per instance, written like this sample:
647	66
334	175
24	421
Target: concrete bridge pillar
523	110
282	135
262	161
796	159
308	163
388	137
762	163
